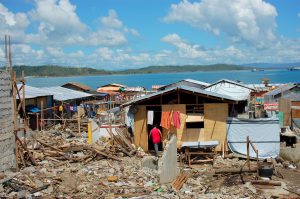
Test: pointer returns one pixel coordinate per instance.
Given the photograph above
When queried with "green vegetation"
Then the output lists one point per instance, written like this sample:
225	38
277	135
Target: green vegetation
185	68
78	71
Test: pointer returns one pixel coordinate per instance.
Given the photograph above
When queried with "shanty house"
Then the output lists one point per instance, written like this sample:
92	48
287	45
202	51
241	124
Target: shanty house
236	91
35	100
202	113
286	100
77	86
186	82
108	88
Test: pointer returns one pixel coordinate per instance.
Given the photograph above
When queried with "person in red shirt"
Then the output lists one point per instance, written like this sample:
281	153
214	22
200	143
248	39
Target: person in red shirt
155	133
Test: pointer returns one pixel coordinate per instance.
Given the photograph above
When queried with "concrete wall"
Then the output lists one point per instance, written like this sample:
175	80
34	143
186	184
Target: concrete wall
167	165
7	138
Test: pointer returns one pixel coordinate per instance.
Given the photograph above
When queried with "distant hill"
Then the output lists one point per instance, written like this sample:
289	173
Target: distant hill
51	71
272	65
186	68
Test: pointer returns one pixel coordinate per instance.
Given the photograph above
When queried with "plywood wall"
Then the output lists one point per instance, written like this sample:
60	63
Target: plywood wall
285	107
140	128
215	116
295	112
178	132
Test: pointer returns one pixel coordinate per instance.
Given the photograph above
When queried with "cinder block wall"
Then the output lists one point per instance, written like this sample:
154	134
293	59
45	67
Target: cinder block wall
7	138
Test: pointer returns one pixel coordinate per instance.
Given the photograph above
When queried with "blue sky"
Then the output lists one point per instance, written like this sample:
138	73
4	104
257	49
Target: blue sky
121	34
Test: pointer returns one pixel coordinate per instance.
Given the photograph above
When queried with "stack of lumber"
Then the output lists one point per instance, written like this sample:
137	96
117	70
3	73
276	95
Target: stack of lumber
122	140
180	180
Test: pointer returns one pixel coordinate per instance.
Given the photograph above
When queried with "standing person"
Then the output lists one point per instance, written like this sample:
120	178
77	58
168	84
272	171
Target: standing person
155	133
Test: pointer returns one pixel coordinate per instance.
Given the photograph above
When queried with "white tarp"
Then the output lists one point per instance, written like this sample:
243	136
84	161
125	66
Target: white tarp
264	134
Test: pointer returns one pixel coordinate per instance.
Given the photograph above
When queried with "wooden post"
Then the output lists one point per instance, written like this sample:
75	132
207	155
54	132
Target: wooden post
78	121
42	115
90	133
257	162
62	112
37	121
248	152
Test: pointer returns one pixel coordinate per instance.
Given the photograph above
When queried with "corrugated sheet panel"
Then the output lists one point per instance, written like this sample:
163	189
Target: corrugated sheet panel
63	94
186	88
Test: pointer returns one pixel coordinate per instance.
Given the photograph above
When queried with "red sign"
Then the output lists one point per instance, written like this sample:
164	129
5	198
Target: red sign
271	106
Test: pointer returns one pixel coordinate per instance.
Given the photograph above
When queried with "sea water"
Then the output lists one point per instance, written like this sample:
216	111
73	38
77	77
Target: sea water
147	80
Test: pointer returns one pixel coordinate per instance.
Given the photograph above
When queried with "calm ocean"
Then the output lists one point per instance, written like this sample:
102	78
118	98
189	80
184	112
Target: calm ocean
147	80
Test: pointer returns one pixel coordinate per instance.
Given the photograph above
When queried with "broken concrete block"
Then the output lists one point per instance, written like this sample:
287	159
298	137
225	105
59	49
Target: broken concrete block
167	165
150	162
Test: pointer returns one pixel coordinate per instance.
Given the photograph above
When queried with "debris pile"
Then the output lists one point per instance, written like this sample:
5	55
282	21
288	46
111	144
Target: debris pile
63	166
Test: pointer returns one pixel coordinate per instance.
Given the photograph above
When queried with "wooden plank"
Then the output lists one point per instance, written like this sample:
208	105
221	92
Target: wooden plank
296	111
193	134
140	128
215	116
194	117
285	107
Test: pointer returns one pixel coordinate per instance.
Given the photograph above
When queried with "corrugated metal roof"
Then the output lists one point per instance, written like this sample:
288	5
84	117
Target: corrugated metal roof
175	84
78	85
63	94
231	82
197	82
182	87
280	89
113	84
32	92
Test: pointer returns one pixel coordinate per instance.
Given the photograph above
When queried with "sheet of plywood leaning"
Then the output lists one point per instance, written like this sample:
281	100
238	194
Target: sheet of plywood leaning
178	132
285	107
215	116
140	128
296	109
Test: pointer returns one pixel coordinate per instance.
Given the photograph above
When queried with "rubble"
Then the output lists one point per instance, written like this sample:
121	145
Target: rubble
68	167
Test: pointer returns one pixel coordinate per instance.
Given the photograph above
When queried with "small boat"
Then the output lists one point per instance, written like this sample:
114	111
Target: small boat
294	68
256	70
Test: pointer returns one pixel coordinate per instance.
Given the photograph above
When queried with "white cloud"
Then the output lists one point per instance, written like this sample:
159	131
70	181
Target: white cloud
251	21
298	14
61	15
185	49
107	37
13	24
112	20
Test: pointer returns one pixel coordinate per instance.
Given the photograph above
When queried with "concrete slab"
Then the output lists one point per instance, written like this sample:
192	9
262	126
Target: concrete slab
167	165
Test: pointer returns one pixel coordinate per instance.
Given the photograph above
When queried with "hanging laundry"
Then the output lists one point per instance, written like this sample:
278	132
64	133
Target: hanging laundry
165	119
71	108
55	108
150	116
176	119
60	108
75	108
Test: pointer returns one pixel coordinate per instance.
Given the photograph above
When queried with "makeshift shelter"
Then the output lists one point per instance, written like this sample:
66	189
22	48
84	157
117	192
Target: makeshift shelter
66	100
186	82
77	86
236	91
113	88
35	100
264	133
202	115
287	91
286	100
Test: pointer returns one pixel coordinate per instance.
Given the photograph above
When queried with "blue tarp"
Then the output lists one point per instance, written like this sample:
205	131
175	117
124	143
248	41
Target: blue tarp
264	134
32	109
